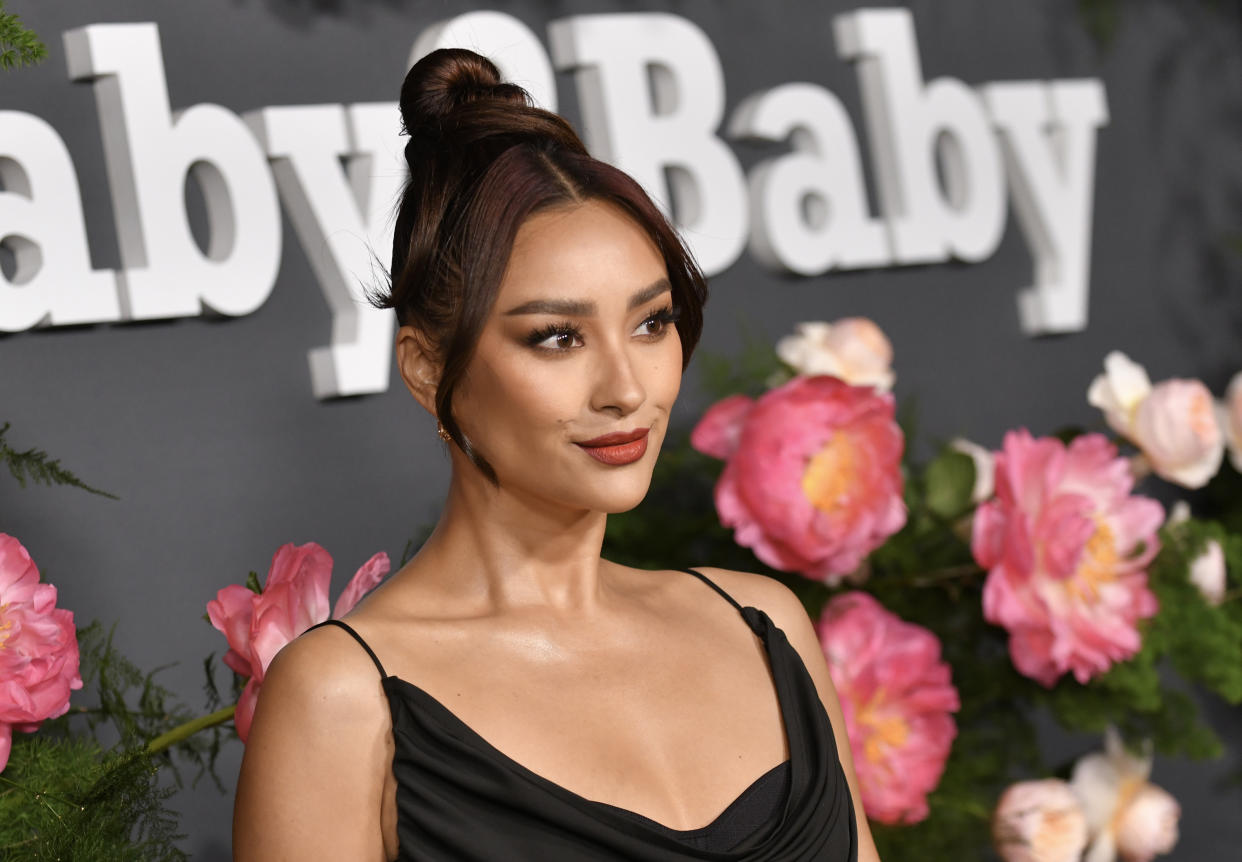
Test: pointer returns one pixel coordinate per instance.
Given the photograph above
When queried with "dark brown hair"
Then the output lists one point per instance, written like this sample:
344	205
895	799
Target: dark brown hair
482	161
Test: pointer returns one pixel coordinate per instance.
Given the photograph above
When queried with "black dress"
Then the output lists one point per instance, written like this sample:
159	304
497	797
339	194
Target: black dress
461	800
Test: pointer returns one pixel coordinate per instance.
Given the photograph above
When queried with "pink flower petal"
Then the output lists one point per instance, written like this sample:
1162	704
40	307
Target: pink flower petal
364	580
244	714
717	432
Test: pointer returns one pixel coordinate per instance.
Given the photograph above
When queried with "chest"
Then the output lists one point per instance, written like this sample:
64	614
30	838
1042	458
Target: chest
672	729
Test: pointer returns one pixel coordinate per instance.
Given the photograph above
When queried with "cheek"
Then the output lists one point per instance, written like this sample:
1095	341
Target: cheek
515	396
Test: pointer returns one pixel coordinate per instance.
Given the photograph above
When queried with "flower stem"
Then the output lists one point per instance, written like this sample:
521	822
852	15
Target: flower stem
182	732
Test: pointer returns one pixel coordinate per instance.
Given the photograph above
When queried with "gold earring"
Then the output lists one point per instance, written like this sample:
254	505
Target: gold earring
444	435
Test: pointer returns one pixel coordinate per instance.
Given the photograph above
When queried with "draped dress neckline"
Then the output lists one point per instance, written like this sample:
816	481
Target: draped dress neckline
461	799
623	816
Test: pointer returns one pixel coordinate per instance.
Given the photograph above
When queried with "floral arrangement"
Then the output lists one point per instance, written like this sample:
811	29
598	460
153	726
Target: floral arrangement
955	601
958	599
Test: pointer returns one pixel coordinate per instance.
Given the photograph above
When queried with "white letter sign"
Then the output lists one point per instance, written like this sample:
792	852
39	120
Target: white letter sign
148	153
652	97
913	127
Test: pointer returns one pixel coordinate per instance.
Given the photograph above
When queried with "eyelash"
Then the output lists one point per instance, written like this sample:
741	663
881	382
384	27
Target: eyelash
666	315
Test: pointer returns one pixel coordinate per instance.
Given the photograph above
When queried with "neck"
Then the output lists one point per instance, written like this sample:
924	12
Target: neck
496	550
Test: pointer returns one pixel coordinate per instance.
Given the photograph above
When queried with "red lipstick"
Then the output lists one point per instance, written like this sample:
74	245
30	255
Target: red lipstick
619	448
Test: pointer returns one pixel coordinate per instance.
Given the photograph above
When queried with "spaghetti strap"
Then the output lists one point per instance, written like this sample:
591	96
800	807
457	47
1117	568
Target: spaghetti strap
705	579
358	638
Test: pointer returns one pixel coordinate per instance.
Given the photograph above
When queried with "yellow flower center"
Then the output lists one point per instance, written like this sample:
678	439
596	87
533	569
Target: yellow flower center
4	626
831	473
1098	565
884	730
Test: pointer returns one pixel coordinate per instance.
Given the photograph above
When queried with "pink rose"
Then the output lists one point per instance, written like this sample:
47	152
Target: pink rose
812	482
1066	547
1176	428
294	598
1174	423
896	694
38	648
1039	821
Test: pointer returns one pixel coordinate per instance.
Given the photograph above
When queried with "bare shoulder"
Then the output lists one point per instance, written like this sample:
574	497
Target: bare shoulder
770	596
313	772
326	668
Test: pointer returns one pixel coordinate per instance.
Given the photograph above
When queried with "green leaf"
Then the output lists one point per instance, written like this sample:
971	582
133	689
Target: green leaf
950	479
19	46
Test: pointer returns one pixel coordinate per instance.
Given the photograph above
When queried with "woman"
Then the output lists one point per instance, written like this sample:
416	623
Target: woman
509	695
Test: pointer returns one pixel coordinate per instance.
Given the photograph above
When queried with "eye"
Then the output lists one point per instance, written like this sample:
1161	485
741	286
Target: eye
655	325
555	338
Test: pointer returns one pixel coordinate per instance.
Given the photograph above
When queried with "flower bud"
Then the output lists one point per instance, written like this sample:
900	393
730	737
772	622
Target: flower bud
1207	572
985	468
1119	391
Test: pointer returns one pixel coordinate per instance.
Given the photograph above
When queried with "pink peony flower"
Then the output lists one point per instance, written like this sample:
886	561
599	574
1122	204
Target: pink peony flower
852	349
294	598
38	648
1039	821
812	482
896	694
1066	547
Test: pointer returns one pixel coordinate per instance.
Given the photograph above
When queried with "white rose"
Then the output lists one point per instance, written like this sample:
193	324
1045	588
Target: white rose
985	468
1119	391
853	349
1039	821
1176	427
1148	825
1109	785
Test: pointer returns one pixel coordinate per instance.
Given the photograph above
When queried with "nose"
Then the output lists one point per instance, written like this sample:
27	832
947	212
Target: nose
618	387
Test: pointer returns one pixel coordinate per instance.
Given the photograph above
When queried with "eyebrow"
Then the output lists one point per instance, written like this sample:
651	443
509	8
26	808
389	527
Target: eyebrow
586	308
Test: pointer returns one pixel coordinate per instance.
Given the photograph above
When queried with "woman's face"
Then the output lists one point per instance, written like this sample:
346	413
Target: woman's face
580	345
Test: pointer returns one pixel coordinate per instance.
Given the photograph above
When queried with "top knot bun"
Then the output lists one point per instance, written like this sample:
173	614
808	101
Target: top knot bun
448	78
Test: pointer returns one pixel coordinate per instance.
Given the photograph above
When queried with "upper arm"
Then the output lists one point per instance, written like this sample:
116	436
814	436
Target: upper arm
312	777
786	611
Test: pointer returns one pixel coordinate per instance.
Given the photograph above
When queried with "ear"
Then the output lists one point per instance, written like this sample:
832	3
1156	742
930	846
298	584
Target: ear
418	366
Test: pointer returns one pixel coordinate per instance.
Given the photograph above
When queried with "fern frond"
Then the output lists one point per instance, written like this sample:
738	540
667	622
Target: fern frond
37	466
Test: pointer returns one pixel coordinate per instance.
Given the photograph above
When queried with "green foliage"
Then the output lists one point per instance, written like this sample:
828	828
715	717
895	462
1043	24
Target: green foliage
751	371
35	465
69	799
64	795
19	46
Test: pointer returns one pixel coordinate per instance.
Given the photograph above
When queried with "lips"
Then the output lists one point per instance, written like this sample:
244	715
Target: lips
616	438
619	448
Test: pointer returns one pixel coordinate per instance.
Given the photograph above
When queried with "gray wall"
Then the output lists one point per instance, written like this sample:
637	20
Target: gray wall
208	432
